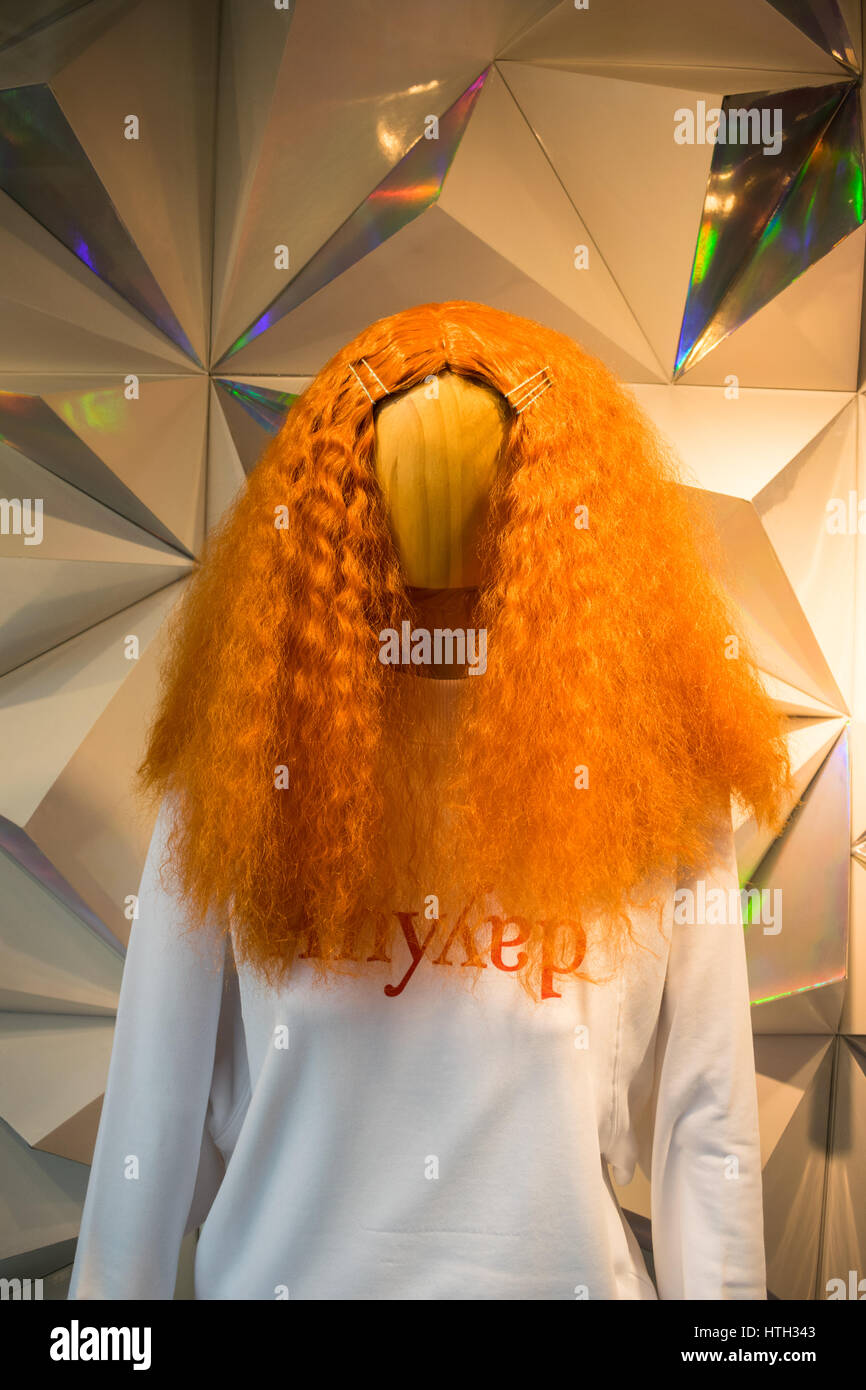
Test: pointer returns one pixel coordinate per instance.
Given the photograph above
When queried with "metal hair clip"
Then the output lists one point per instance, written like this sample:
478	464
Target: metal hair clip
385	391
527	391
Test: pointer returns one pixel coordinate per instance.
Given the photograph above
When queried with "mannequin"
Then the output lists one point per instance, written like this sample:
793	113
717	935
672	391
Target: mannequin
437	454
585	538
441	1118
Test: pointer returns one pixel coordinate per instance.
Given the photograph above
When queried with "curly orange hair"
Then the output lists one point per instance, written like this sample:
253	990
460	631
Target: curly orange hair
608	649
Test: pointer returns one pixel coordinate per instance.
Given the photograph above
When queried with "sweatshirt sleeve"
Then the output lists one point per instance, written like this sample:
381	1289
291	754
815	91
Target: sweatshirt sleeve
706	1193
150	1138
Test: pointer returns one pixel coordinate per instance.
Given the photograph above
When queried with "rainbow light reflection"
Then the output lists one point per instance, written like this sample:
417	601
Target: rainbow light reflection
407	190
767	219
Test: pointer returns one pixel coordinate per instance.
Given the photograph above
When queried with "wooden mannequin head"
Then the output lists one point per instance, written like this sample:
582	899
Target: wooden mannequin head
437	454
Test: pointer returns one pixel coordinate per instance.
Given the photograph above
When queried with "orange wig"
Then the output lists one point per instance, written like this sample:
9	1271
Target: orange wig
609	651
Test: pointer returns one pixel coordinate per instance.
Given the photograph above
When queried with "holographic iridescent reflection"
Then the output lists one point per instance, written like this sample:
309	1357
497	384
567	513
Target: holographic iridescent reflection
407	190
262	403
254	415
768	218
94	410
29	425
45	170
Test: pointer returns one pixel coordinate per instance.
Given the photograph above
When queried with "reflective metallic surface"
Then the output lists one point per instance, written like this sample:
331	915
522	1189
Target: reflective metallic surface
411	186
768	217
521	152
44	168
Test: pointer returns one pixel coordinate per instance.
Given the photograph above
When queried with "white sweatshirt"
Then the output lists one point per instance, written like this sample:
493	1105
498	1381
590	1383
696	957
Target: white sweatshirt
432	1144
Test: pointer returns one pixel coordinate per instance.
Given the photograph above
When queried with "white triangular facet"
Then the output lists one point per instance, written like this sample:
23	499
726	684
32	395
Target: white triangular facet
48	705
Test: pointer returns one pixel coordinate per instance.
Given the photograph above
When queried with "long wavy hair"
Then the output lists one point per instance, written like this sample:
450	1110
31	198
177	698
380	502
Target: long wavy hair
279	739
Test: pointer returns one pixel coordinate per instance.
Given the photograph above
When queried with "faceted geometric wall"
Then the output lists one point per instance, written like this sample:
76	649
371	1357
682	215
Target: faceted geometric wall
199	203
